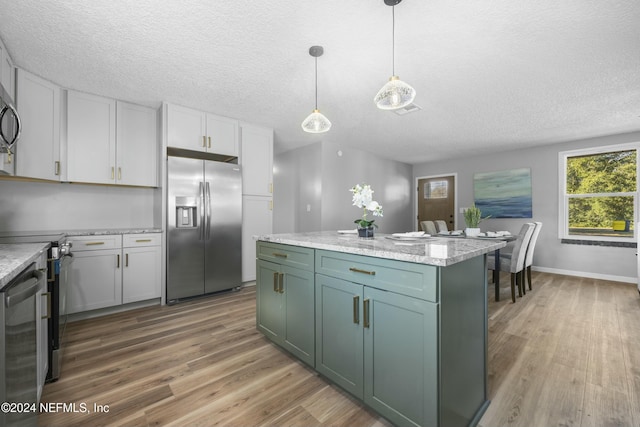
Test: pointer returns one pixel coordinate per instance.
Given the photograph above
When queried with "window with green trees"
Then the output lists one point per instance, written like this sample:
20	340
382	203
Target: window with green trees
600	191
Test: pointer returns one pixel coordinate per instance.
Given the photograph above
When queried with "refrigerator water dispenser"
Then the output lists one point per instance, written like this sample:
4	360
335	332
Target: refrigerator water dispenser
186	212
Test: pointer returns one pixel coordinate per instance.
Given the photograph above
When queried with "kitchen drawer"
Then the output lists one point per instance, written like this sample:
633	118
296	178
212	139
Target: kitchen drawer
406	278
141	239
294	256
94	243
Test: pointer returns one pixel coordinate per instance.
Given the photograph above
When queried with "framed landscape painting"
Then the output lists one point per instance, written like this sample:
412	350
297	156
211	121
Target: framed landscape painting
504	194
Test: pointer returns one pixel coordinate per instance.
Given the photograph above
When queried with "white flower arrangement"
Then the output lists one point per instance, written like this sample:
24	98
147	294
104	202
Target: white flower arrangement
363	198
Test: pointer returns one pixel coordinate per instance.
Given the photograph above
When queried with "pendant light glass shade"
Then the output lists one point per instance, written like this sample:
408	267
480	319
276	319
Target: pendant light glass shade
316	122
395	94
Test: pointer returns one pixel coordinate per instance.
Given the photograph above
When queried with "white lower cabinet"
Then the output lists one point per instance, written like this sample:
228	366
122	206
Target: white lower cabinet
142	264
112	270
96	280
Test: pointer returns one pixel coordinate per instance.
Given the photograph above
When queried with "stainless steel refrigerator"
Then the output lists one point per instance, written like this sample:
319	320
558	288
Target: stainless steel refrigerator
204	216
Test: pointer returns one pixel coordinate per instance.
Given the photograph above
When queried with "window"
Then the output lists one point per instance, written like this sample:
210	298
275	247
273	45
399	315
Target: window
599	193
436	190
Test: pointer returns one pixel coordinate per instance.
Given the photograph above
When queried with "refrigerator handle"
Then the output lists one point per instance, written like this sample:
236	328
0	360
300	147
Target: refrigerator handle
201	225
208	209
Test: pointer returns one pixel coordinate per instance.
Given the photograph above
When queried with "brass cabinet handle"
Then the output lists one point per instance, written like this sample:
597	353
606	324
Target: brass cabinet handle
209	142
357	270
56	169
281	283
113	171
365	306
356	315
126	260
204	141
142	240
93	243
118	261
275	282
279	255
119	173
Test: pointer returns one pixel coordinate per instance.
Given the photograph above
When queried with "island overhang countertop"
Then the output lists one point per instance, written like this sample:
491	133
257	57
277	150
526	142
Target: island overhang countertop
438	251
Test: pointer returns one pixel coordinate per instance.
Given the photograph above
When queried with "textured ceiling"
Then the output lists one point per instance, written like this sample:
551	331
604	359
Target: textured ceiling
490	75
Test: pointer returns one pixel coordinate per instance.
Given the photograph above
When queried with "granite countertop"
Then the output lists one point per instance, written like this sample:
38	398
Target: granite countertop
439	251
104	232
15	257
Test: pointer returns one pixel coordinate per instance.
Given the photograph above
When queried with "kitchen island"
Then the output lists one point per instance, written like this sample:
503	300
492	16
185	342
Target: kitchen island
400	324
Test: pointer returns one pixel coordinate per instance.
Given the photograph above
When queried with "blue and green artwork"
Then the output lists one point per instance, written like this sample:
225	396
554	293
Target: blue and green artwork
504	194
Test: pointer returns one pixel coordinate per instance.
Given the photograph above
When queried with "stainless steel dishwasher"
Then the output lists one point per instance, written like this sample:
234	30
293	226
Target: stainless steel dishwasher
18	347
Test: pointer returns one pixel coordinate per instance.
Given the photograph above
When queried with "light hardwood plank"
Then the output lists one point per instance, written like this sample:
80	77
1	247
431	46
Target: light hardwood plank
567	353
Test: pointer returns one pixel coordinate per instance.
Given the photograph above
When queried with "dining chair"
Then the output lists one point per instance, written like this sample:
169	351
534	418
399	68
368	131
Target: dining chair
428	227
441	225
514	264
528	262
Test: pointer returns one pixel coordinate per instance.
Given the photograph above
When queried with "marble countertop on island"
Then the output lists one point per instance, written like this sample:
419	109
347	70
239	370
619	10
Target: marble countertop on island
439	251
15	257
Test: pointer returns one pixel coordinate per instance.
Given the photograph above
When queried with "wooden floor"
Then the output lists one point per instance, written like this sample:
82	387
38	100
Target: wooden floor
566	354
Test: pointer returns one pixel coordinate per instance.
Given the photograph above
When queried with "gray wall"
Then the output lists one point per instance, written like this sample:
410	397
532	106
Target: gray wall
311	189
550	255
34	206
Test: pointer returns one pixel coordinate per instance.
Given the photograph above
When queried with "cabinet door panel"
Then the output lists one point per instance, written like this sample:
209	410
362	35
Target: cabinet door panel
91	138
95	280
257	161
186	128
299	310
269	302
141	273
339	346
38	153
401	358
222	135
136	150
256	220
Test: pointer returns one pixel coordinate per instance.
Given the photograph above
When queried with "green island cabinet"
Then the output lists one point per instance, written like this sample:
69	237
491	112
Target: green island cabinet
285	298
408	339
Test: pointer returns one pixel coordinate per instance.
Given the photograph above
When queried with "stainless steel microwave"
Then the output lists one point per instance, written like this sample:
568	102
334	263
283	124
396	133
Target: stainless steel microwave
9	122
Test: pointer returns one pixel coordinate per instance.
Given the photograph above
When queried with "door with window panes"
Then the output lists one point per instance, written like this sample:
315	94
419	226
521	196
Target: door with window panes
436	200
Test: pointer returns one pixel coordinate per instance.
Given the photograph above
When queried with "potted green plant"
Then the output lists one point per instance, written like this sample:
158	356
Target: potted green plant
472	218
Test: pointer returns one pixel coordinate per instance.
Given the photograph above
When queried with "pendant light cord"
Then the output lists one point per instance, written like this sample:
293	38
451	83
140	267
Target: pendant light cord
316	58
393	40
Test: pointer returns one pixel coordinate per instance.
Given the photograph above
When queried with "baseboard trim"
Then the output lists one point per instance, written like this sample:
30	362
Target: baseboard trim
610	277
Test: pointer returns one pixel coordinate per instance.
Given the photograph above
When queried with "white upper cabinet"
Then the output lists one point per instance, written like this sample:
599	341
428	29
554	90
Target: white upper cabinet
186	128
196	130
137	145
7	78
91	138
222	135
257	160
7	72
38	150
110	142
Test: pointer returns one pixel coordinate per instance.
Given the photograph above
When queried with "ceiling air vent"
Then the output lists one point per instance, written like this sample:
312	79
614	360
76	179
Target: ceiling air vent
408	109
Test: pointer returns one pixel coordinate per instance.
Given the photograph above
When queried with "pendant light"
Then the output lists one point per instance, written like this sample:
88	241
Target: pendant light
316	122
396	93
